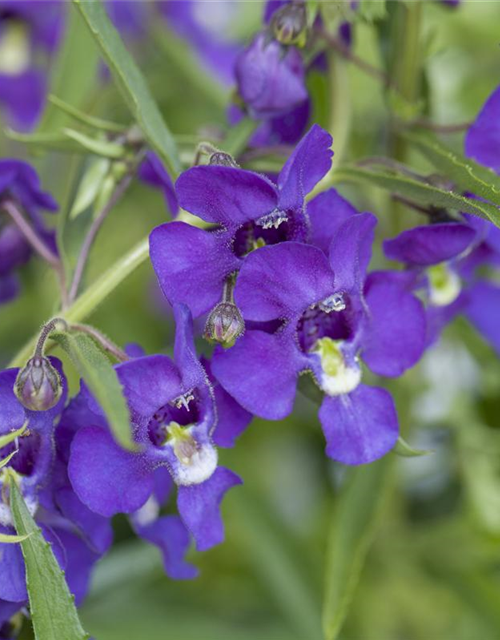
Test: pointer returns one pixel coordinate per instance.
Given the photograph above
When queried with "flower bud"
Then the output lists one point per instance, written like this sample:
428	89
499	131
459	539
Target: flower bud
289	24
38	385
224	324
222	159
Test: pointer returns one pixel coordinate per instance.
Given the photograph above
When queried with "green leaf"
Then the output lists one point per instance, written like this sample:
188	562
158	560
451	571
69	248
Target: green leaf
10	437
99	375
236	141
94	145
467	174
75	72
403	449
11	539
371	10
5	461
351	532
130	82
54	141
312	7
90	185
84	118
419	192
52	606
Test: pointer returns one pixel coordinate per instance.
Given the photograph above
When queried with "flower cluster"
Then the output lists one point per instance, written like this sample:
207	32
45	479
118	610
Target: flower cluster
279	271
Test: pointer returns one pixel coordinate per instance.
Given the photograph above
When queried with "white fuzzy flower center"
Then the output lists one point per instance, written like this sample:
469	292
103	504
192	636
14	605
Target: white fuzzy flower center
337	377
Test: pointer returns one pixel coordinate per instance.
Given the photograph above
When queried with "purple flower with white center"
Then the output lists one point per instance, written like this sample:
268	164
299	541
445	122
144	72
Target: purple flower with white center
192	265
441	260
25	34
205	26
173	417
30	458
331	316
19	185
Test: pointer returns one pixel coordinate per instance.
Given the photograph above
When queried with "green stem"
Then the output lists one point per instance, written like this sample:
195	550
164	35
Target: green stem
85	304
406	77
237	138
340	116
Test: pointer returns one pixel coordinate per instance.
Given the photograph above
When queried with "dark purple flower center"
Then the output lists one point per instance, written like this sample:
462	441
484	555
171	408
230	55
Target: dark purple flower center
28	447
181	413
316	323
273	228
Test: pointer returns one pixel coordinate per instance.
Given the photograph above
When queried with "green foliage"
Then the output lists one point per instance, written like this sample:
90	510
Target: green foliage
464	172
417	190
130	82
402	448
52	607
90	186
10	437
351	532
77	53
99	375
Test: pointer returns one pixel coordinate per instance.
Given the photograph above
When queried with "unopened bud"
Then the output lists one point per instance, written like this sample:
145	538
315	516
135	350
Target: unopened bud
222	159
289	24
38	385
225	324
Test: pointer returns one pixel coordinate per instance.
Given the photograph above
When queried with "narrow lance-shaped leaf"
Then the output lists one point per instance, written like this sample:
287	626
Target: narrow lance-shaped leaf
5	538
130	82
10	437
52	606
94	145
76	52
418	191
403	449
5	461
101	379
353	525
466	173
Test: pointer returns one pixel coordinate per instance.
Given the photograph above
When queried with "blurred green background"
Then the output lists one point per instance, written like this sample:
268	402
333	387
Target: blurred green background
433	569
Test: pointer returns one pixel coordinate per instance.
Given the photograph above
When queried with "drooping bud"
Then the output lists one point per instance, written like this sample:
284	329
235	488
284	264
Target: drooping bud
222	159
225	324
289	24
38	385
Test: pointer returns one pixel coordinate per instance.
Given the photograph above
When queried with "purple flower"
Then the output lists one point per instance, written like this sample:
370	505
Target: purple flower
286	129
64	521
331	315
441	261
249	211
25	34
482	142
271	78
20	185
173	417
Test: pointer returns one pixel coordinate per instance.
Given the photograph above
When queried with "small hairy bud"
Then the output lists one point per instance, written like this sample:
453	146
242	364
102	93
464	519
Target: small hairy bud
38	385
289	24
222	159
225	324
